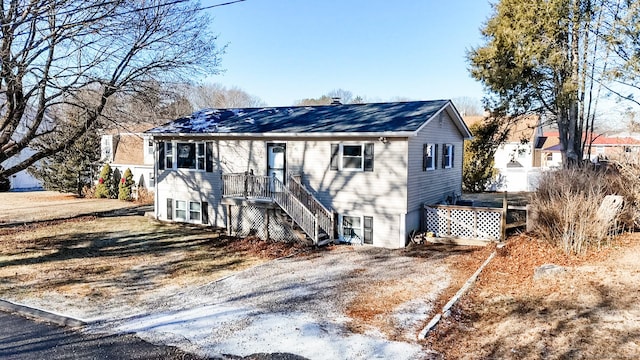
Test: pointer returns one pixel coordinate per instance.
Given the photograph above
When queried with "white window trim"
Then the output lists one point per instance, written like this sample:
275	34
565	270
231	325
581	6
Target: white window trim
341	158
341	227
187	211
431	148
176	209
174	155
448	151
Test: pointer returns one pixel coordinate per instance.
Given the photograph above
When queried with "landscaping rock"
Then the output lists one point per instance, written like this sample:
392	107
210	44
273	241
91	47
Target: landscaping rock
547	270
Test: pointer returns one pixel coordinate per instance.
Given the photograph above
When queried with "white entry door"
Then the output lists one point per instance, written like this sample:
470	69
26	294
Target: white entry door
276	161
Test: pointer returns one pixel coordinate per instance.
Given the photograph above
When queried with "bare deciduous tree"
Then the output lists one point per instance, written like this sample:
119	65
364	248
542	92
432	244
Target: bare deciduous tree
218	96
82	53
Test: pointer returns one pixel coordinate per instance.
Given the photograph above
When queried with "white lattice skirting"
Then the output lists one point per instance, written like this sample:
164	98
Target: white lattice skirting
464	222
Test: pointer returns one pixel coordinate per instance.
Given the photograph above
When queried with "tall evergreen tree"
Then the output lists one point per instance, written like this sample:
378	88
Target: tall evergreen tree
71	169
554	57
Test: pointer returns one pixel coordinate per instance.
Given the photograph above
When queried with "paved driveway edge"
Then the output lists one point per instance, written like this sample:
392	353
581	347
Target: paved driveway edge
40	314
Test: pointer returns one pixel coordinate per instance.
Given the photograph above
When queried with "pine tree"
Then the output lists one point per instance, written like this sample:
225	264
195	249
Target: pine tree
102	190
70	170
124	189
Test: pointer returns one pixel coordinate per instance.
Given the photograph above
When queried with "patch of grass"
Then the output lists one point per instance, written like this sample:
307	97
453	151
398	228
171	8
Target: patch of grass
115	256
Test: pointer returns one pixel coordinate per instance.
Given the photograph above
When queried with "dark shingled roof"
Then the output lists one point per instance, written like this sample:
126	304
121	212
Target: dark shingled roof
352	118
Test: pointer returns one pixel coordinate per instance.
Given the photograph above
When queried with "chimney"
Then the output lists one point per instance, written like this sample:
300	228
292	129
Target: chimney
336	101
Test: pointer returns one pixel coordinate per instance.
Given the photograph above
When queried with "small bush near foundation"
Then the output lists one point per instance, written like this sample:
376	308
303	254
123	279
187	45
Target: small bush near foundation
564	208
145	196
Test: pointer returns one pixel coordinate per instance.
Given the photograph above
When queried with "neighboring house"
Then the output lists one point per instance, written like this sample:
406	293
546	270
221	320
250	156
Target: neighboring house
130	150
516	160
602	147
23	180
362	171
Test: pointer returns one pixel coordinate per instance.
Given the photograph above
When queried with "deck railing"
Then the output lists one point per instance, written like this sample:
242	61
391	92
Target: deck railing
325	216
294	199
246	185
307	220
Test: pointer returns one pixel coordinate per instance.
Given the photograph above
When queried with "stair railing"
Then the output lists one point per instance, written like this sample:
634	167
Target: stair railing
325	216
307	220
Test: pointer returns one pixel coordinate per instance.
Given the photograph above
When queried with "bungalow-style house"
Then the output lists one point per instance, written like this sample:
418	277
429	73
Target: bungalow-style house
132	149
359	173
517	159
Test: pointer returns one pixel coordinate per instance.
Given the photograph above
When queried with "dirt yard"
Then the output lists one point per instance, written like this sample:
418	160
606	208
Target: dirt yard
112	269
22	207
589	311
133	272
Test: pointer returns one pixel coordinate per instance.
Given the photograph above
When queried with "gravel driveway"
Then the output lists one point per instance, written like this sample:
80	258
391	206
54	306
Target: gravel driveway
299	305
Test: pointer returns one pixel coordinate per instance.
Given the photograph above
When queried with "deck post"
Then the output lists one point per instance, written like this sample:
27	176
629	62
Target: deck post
316	230
228	220
266	223
505	206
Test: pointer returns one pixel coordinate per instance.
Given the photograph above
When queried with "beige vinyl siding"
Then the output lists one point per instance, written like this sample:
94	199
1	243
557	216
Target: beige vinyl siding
191	186
433	186
381	191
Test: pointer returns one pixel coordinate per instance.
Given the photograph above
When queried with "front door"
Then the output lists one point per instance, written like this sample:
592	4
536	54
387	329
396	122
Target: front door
276	161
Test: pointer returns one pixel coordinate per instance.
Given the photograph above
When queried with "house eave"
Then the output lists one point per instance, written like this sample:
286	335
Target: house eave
387	134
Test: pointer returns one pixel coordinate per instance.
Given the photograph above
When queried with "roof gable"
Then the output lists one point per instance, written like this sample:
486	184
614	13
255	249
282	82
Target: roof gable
382	118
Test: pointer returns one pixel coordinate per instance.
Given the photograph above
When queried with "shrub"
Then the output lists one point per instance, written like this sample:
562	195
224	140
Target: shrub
104	181
114	184
145	196
124	189
564	208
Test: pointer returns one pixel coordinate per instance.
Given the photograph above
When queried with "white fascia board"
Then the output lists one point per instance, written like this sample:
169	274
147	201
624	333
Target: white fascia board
390	134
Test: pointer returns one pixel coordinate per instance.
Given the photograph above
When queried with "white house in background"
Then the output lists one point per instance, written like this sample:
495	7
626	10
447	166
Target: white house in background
603	147
22	180
132	150
517	160
358	172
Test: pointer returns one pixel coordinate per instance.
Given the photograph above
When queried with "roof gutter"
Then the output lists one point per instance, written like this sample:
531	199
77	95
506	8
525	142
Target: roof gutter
390	134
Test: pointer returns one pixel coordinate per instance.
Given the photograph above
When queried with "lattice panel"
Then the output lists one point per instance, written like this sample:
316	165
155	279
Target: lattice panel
247	221
280	230
436	221
462	223
251	220
489	225
475	223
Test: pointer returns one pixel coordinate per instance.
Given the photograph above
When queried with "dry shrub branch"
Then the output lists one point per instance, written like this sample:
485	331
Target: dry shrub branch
566	208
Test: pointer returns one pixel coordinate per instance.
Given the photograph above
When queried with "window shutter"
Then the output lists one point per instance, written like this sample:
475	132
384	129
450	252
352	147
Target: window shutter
161	155
335	149
424	157
204	207
169	209
444	156
209	156
368	157
452	154
435	156
368	230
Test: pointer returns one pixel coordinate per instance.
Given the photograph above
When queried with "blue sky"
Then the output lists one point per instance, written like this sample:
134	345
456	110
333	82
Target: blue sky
285	50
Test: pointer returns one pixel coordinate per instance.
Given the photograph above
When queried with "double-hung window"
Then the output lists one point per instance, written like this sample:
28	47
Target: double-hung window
188	211
352	157
356	229
184	155
447	156
429	157
181	210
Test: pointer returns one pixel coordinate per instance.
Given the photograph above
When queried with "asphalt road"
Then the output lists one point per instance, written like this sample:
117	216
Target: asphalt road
21	338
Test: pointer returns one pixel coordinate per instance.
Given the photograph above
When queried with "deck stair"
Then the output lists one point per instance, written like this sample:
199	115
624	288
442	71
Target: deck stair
299	204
